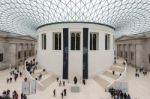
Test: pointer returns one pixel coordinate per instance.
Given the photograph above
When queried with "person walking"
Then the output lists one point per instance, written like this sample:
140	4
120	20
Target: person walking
7	80
63	83
15	95
62	95
57	79
54	93
60	83
75	80
10	79
65	92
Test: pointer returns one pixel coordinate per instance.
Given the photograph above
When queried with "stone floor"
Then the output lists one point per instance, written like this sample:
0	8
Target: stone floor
12	86
139	88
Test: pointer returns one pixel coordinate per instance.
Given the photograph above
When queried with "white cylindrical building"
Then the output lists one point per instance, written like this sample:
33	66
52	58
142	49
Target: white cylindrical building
75	49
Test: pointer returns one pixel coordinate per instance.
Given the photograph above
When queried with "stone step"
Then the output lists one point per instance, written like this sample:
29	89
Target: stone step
101	81
118	65
116	72
47	81
37	74
39	67
44	76
38	71
116	68
109	74
120	61
107	78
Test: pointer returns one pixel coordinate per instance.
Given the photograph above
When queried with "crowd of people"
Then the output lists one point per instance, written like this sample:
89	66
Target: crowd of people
6	95
140	70
118	94
14	74
31	66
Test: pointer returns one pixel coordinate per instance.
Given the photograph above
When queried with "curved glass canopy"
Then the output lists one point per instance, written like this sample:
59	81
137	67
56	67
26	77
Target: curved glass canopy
24	16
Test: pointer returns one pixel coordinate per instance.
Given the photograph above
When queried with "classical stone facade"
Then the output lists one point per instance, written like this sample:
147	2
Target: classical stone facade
135	49
15	48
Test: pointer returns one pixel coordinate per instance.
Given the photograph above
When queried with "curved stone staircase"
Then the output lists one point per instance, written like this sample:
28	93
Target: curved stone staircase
106	79
47	77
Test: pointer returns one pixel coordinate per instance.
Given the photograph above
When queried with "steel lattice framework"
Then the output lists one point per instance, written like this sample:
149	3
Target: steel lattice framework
24	16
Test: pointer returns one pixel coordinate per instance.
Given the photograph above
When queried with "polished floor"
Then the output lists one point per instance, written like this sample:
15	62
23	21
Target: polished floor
139	88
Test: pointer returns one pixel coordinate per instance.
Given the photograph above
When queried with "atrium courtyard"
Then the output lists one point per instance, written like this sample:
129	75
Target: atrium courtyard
74	49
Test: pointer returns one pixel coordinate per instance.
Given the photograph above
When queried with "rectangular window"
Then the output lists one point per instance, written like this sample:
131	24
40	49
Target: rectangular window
75	41
44	41
1	57
25	54
94	41
57	41
19	55
72	41
107	41
125	54
30	53
121	54
132	55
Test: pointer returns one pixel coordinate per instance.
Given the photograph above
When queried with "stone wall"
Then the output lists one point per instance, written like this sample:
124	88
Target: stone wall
147	53
140	47
11	44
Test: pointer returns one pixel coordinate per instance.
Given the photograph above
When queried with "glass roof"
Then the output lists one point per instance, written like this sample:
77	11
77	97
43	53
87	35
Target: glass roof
24	16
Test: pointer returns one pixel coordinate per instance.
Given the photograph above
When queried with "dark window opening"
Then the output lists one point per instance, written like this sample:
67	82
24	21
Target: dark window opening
91	41
30	53
24	53
19	55
121	54
44	41
72	41
77	41
125	54
132	55
94	41
57	41
1	57
107	41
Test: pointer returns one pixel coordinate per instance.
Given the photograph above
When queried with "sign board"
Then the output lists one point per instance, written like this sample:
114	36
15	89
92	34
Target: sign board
75	89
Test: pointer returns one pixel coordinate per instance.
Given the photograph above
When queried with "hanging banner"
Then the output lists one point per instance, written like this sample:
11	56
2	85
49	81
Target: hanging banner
33	86
26	87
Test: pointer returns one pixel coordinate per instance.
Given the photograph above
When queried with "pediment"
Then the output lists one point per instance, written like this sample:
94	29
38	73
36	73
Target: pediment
124	38
27	37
